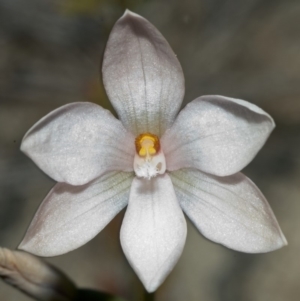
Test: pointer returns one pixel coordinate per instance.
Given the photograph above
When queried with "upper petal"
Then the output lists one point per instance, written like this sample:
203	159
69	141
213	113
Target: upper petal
142	76
78	142
216	134
230	210
70	216
153	230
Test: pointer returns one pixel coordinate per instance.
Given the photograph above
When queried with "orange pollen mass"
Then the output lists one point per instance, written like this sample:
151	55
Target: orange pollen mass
147	144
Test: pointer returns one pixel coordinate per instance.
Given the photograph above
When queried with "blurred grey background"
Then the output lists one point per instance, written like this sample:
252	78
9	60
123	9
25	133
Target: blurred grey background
50	55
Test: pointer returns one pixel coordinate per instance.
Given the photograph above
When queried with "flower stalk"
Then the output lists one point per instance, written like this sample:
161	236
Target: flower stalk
148	296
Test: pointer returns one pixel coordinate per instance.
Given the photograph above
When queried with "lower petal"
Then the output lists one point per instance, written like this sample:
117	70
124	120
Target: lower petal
70	216
229	210
154	229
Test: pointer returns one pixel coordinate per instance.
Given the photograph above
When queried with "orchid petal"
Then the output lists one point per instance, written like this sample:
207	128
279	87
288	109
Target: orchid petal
70	216
230	210
78	142
216	134
154	230
142	76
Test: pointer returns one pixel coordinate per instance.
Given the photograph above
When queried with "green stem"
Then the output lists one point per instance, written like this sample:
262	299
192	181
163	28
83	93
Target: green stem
148	296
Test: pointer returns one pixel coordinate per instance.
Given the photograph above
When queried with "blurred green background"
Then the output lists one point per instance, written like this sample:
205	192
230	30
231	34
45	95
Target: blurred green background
50	55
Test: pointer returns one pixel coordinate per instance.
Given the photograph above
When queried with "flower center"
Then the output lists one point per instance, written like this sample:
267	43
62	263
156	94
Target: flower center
149	160
147	144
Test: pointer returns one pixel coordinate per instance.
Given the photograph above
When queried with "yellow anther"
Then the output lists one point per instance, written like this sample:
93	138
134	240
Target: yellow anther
151	150
147	144
143	152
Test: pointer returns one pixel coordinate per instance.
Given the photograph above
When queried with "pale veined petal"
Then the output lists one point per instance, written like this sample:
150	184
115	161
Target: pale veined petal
70	216
142	76
230	210
78	142
153	230
216	134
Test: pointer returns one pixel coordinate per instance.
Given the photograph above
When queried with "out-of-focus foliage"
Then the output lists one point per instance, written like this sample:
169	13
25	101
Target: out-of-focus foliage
90	295
81	7
93	7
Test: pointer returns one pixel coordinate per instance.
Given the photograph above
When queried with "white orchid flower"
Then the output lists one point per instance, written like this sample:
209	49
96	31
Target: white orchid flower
154	160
